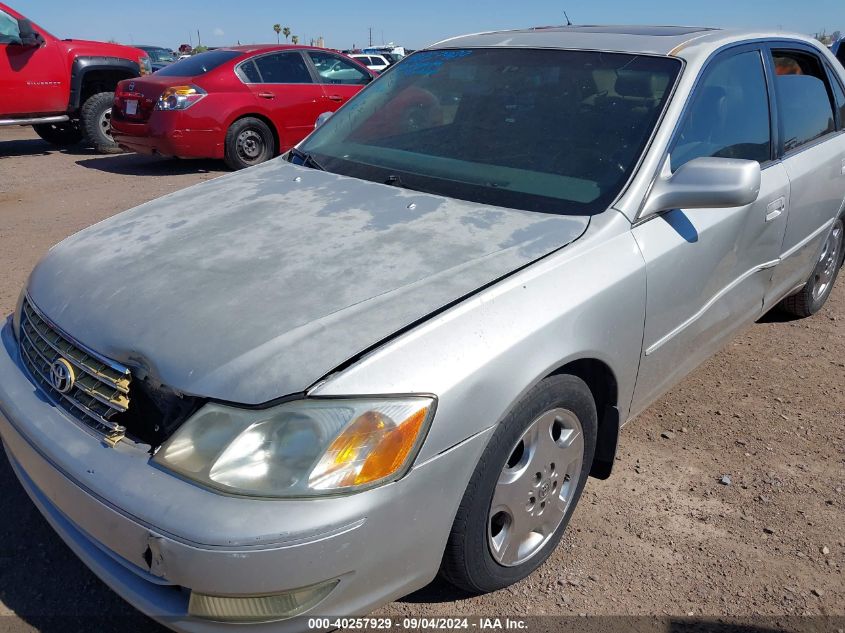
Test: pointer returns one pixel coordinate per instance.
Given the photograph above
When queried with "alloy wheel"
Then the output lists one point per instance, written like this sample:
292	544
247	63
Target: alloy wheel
825	271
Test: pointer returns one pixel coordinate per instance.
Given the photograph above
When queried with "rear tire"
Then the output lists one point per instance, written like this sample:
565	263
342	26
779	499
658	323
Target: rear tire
249	141
60	134
810	299
524	488
96	123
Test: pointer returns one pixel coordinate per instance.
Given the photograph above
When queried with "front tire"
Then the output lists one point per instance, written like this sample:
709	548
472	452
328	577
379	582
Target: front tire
525	487
249	141
60	134
810	299
96	123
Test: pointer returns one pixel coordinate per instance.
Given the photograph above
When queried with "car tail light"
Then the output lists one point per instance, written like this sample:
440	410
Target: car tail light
180	97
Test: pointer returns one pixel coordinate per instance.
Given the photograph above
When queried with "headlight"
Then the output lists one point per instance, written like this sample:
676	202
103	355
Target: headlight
145	65
302	448
180	97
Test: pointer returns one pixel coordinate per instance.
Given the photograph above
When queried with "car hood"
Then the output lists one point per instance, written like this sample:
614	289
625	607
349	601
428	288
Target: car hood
257	284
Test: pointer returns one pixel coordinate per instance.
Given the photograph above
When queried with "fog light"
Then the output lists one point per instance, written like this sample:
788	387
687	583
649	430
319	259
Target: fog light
280	606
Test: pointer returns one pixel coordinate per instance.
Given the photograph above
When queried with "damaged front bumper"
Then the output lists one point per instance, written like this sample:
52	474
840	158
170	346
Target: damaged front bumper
157	539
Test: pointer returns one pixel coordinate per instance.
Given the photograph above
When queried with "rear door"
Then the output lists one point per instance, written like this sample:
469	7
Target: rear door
33	79
708	269
341	77
812	130
286	92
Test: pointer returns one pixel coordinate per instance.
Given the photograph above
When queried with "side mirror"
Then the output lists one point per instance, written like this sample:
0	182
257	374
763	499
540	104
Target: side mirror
705	183
325	116
29	37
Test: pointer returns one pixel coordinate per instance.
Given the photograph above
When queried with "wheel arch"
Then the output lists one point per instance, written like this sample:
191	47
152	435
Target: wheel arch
90	75
604	387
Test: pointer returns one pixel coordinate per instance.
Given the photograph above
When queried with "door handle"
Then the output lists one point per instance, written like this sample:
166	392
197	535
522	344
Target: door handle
335	98
774	209
266	95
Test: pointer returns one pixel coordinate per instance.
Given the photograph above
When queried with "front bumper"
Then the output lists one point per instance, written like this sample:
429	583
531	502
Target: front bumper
153	537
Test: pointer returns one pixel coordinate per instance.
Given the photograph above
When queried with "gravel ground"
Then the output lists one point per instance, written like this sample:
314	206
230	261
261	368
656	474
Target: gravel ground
662	537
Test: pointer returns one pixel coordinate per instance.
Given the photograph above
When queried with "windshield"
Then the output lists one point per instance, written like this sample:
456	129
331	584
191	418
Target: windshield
159	54
543	130
198	64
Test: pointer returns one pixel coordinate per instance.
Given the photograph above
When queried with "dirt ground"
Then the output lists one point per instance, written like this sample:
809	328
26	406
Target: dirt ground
662	537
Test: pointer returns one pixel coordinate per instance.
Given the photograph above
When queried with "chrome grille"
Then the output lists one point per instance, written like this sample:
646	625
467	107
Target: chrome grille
101	389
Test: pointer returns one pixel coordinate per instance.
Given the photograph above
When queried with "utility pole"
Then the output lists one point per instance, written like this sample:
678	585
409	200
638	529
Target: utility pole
371	37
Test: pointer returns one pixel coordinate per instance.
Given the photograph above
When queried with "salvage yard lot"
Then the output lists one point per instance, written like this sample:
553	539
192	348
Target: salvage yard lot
667	534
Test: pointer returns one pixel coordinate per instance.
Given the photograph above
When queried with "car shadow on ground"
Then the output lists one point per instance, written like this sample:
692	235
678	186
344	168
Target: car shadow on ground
777	316
141	165
25	147
42	582
438	590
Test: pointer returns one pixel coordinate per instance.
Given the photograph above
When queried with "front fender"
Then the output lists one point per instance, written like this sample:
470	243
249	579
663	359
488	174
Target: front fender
586	301
82	66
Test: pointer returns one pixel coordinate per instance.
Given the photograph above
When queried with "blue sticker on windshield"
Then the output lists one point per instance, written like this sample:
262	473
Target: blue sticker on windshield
429	62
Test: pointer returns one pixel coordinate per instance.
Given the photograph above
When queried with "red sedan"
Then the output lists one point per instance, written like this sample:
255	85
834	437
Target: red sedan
244	104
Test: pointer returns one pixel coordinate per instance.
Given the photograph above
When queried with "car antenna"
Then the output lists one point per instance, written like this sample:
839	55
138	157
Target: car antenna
568	21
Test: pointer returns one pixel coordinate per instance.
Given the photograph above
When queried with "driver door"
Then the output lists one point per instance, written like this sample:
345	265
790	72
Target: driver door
342	79
708	270
33	80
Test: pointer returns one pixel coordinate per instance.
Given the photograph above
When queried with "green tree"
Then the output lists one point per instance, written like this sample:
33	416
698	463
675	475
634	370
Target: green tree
278	29
295	39
286	32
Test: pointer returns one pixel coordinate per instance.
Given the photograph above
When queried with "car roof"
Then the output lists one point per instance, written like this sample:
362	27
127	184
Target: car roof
264	48
655	40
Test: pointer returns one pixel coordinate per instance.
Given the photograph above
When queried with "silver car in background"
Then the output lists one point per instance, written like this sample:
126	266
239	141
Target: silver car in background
401	349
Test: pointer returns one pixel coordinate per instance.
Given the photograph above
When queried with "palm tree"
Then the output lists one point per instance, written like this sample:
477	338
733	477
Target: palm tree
295	39
278	29
286	33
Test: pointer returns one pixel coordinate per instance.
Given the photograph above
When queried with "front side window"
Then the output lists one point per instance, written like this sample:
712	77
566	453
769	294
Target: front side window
197	65
282	68
728	115
804	98
9	31
336	70
543	130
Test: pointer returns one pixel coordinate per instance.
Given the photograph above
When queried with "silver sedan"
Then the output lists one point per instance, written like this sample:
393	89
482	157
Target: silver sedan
401	349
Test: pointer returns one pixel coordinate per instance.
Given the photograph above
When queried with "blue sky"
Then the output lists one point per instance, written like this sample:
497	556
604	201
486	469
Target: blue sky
413	23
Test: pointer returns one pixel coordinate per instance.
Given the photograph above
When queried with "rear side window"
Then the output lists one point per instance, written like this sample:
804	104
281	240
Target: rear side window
728	115
804	98
283	68
198	64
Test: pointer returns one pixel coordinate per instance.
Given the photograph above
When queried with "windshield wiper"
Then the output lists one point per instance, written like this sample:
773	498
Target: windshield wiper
307	159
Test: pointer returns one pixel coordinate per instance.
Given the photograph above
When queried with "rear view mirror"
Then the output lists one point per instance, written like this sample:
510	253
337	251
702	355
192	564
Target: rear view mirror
325	116
29	37
705	183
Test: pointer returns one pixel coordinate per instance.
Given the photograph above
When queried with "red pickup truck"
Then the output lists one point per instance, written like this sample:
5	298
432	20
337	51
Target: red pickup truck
63	88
